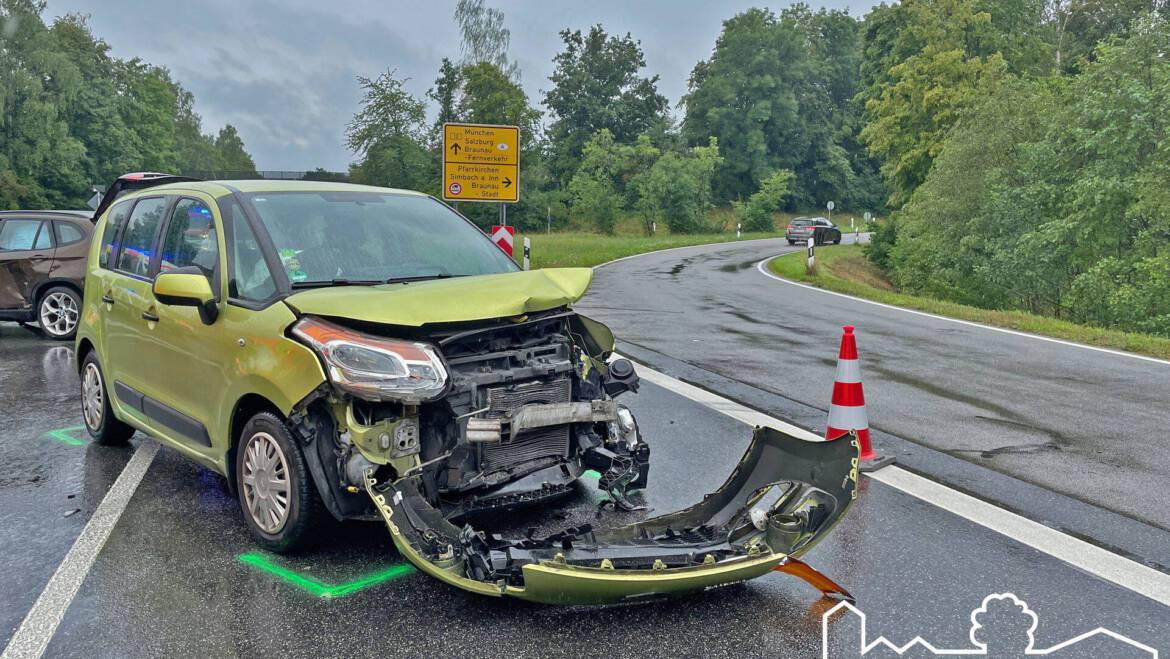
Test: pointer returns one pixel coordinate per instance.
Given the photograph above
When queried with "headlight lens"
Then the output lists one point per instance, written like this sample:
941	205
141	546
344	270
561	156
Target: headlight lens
374	368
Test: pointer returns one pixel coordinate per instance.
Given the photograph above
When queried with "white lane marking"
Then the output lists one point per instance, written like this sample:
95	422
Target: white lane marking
1102	563
763	269
1122	571
39	625
723	405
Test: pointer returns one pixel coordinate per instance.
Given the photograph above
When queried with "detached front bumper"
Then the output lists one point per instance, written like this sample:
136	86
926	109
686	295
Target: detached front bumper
783	497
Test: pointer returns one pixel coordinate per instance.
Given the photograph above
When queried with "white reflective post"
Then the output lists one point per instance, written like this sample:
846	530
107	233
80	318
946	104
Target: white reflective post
811	262
527	251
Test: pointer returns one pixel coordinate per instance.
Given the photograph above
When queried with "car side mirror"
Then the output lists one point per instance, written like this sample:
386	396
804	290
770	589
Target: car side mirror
187	287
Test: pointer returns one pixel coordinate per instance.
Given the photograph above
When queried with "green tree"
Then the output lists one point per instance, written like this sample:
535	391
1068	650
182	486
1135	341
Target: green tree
676	189
485	39
758	214
597	85
388	135
778	94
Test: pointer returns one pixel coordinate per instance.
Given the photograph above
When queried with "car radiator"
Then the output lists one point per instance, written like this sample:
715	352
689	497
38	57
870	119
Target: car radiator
552	441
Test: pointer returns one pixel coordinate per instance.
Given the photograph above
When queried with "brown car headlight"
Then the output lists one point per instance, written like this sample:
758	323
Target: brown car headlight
374	368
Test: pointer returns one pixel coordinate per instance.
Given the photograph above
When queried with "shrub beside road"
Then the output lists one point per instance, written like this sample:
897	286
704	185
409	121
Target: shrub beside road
844	269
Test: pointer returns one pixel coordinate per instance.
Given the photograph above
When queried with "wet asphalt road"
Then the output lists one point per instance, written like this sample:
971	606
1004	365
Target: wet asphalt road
170	582
1087	424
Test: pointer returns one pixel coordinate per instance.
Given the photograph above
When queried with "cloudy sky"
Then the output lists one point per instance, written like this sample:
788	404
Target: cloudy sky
282	71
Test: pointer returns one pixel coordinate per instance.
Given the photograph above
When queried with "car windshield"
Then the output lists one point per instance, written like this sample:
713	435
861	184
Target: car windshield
369	237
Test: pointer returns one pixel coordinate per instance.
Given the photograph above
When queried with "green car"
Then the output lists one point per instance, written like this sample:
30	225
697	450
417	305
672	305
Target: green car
355	352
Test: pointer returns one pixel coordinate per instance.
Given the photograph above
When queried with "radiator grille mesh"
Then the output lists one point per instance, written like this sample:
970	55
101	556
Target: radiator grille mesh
533	444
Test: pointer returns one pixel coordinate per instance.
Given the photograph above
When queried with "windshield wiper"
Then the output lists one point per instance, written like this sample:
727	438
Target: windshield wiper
338	281
407	280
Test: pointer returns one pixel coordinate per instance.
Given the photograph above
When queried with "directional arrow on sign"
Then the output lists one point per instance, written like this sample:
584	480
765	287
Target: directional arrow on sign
455	147
507	182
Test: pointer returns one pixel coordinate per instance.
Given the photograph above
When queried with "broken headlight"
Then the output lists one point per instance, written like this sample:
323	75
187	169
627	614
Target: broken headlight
372	367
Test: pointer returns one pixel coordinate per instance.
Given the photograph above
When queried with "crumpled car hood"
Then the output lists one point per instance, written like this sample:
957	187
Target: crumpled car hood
459	299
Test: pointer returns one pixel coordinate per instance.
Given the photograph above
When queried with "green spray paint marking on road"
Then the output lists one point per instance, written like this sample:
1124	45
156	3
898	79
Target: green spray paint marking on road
65	435
318	589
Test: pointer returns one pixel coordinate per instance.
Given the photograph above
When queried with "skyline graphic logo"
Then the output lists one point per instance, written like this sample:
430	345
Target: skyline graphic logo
1003	625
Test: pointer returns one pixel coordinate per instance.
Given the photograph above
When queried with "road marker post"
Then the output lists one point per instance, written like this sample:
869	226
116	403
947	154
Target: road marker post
847	406
504	237
811	266
527	252
738	231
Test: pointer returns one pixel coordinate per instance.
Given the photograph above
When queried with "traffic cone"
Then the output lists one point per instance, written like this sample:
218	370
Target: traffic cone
847	407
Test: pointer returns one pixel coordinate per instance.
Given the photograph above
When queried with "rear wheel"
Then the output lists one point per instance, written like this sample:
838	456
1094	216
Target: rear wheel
791	242
58	311
103	427
277	496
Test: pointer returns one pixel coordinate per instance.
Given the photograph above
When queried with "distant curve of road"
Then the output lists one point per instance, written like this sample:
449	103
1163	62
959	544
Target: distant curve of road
1088	424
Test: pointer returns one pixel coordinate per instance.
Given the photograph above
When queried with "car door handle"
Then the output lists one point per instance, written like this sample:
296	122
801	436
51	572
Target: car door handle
107	298
147	315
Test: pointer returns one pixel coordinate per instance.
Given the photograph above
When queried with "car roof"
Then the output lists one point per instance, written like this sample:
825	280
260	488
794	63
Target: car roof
74	215
221	188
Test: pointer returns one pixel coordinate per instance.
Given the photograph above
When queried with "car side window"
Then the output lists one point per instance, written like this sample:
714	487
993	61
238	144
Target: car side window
190	239
250	279
19	235
68	233
116	218
138	237
44	237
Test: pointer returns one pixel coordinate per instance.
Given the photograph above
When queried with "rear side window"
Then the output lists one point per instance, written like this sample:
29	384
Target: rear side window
68	233
115	220
138	238
19	235
190	239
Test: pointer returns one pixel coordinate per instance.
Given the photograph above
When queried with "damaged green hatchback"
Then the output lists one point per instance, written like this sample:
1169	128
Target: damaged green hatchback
366	353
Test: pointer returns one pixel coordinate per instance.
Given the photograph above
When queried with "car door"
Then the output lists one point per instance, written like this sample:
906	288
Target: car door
193	358
26	255
129	344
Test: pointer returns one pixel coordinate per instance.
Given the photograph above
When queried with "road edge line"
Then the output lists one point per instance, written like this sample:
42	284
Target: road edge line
1102	563
40	623
761	267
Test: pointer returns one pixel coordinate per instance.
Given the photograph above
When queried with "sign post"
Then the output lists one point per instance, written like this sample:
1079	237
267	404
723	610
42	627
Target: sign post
481	162
831	205
811	259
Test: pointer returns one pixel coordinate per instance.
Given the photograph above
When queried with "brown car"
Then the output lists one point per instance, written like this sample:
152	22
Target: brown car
42	268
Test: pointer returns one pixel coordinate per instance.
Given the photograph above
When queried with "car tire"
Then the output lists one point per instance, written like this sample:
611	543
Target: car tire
270	467
58	312
96	410
791	242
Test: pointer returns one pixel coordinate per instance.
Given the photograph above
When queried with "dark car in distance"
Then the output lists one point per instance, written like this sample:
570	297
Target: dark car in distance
42	268
820	229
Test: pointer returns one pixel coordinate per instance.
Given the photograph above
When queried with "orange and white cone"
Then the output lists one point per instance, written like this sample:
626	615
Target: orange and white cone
847	407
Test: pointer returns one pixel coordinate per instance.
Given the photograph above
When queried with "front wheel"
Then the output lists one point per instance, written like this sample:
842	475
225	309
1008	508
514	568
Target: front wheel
58	312
279	500
791	242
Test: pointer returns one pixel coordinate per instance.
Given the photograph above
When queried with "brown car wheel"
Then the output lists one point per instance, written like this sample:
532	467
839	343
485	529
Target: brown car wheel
58	311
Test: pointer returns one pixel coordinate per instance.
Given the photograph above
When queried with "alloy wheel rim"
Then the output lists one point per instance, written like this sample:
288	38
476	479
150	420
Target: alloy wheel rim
92	397
59	313
266	484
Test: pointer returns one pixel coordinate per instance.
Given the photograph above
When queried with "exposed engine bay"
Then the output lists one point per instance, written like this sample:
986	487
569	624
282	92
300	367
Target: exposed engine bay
528	405
495	416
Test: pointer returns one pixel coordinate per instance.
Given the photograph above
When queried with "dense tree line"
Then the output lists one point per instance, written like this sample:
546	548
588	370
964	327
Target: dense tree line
1025	147
72	115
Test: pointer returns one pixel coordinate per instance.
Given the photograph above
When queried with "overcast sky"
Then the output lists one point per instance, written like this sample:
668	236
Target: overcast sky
282	71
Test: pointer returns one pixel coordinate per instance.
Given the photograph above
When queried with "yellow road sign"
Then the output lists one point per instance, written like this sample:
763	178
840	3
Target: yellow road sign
481	163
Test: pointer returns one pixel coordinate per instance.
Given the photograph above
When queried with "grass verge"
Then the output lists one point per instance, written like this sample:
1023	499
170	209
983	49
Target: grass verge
844	269
573	249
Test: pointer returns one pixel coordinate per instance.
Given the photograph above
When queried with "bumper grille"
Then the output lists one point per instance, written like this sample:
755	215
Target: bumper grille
552	441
